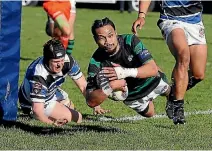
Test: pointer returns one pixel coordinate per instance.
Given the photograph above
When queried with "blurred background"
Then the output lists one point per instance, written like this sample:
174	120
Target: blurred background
112	4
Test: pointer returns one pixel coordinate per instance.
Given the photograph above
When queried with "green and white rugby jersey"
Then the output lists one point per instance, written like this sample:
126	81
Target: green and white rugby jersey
132	54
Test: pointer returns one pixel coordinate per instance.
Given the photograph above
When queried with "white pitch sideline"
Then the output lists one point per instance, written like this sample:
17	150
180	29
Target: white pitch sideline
138	117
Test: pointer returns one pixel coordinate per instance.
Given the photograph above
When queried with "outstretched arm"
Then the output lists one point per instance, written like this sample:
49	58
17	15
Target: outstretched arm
149	69
81	84
97	109
143	9
95	96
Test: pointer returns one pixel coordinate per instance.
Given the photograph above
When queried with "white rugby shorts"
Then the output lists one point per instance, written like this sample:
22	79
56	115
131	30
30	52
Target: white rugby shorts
194	32
141	104
60	95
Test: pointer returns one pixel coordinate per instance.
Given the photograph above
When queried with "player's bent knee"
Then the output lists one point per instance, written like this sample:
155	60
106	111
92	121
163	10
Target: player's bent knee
147	112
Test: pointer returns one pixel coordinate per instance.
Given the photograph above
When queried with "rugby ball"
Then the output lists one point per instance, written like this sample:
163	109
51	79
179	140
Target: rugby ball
119	95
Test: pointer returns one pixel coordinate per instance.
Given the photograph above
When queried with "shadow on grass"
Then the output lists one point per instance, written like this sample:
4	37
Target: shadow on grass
48	130
171	126
105	118
26	59
152	38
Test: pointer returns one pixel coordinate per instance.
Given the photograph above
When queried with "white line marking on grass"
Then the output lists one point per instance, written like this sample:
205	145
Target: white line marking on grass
138	117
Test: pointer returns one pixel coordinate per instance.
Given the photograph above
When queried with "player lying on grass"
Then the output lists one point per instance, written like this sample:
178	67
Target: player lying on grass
40	93
122	61
61	19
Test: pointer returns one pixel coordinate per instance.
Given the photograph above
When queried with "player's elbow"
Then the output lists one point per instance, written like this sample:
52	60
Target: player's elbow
152	68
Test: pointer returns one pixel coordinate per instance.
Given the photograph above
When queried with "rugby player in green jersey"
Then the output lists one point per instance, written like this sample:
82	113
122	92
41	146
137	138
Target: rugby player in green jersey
122	60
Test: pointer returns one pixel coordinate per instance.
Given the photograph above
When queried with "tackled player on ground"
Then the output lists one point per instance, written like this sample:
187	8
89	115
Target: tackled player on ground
122	61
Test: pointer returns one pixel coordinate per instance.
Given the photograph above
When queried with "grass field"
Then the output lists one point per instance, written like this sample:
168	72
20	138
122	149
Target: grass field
94	134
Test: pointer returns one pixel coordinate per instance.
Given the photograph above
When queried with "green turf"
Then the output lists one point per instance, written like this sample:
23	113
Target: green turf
156	133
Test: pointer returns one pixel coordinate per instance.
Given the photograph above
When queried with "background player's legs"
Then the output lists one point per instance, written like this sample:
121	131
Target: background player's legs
71	36
178	46
198	61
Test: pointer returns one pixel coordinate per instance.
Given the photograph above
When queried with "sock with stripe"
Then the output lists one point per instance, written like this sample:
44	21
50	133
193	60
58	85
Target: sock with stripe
70	47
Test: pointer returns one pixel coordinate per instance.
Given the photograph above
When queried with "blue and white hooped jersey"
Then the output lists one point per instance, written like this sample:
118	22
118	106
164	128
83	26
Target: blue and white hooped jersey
40	85
182	10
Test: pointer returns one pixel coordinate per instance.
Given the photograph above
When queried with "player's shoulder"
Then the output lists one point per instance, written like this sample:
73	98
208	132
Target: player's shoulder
69	59
36	68
99	55
126	36
129	38
69	62
96	61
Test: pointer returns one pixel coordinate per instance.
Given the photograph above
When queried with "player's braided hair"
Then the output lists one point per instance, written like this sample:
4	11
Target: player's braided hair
100	23
53	49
